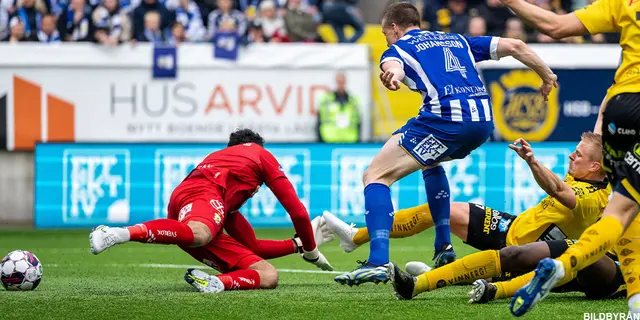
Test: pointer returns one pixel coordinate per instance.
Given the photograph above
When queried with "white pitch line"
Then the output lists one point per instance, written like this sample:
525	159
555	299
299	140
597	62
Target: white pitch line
187	266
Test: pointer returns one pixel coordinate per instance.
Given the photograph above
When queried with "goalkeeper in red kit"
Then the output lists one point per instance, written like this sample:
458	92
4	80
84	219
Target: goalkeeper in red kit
207	201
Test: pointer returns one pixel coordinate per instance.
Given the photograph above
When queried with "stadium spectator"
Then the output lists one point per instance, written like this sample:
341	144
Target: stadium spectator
453	18
112	23
166	17
477	27
30	13
188	14
338	115
48	32
495	15
16	31
74	24
515	29
299	23
342	13
4	23
256	33
272	24
153	31
178	35
226	12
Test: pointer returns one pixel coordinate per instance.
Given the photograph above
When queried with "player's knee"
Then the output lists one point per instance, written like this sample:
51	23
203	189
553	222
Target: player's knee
201	233
268	274
514	259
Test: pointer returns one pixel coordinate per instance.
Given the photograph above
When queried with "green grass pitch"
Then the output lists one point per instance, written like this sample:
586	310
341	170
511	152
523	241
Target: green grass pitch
117	285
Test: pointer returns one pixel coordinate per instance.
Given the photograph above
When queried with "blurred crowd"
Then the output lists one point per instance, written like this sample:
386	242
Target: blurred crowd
490	17
111	22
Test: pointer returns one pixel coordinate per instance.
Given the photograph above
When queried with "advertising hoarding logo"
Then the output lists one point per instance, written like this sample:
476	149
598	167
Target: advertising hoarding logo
296	165
347	168
96	186
521	190
519	110
29	110
171	167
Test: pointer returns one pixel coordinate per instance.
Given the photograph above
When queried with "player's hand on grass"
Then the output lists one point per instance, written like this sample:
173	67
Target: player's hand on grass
523	149
548	85
390	80
317	258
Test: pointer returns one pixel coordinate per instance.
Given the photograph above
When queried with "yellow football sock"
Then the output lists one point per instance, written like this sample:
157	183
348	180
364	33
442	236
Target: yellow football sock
480	265
592	245
406	222
507	289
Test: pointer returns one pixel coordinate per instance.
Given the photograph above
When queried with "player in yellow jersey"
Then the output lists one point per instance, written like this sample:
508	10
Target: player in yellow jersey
572	206
621	141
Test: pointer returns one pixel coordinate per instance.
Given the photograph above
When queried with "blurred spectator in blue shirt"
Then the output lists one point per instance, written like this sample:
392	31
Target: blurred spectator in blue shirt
224	13
74	24
166	17
153	31
188	14
4	23
453	18
341	13
30	13
48	32
112	23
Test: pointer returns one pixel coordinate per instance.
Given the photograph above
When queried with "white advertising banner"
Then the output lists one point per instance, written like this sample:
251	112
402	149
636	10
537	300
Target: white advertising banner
110	95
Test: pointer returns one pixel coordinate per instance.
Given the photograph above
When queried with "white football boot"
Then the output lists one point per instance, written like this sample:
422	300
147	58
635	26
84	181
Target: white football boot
344	231
103	238
203	281
416	268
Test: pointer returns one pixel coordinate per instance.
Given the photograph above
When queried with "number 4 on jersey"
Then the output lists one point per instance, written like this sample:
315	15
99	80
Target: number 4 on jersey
452	64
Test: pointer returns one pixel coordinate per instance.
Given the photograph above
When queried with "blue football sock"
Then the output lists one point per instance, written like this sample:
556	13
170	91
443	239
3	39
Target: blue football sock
437	186
379	218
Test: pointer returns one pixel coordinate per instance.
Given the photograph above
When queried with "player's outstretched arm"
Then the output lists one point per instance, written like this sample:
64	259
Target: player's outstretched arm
598	127
546	179
554	25
521	52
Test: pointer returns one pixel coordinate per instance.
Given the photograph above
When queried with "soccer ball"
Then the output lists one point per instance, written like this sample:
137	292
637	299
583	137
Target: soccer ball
20	270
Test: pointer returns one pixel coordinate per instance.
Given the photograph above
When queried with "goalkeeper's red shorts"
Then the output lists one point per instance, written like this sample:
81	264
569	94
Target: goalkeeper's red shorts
224	254
197	199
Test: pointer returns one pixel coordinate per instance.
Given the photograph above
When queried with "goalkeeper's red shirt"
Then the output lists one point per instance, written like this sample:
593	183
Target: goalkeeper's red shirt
240	170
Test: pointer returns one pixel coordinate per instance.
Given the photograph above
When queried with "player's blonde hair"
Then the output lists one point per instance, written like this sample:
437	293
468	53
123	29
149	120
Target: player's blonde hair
595	140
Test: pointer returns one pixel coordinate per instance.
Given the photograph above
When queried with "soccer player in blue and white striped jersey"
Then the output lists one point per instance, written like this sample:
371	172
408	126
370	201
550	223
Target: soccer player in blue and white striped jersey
454	119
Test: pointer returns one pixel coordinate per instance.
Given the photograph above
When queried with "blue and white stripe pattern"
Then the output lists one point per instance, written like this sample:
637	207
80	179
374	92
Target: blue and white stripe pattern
105	20
191	19
442	68
216	17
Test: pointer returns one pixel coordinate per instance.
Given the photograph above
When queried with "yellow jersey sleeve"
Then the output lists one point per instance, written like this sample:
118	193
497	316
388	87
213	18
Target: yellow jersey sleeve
590	200
600	16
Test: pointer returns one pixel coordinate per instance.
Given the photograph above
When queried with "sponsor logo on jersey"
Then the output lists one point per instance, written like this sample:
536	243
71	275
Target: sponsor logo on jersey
491	220
430	148
613	129
167	233
633	159
519	109
183	212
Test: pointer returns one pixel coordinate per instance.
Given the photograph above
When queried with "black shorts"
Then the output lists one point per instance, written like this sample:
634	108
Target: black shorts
621	143
488	228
